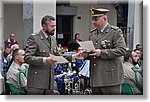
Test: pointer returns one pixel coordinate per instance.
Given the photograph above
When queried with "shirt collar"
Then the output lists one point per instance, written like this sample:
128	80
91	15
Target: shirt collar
46	36
102	30
129	64
17	66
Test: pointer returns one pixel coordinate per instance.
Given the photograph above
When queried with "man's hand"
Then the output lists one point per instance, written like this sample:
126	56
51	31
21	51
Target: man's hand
81	55
49	60
78	56
96	53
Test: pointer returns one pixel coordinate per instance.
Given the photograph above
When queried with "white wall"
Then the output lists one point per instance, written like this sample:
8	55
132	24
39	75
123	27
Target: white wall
1	22
84	25
1	27
138	34
13	20
40	9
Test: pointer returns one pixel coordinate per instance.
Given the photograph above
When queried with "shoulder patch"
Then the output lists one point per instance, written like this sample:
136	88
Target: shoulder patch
114	27
93	30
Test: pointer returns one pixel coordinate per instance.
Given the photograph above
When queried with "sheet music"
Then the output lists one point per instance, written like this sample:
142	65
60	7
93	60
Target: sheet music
87	46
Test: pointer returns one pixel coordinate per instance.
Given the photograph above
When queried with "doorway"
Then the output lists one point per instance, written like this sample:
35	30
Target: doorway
64	30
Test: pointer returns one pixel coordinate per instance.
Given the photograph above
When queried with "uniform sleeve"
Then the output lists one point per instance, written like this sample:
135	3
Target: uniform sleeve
119	47
129	73
140	79
23	80
30	51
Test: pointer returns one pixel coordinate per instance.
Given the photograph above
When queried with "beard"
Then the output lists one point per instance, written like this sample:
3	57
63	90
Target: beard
134	62
49	33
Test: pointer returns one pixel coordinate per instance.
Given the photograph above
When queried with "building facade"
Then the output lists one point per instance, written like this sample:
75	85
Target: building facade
23	17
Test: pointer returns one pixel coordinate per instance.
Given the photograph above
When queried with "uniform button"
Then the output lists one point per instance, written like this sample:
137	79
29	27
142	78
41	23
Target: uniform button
94	64
112	69
35	72
94	57
74	64
95	43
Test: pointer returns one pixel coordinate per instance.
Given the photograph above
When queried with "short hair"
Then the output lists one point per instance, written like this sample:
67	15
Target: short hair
136	50
137	45
15	52
12	34
46	19
76	34
127	55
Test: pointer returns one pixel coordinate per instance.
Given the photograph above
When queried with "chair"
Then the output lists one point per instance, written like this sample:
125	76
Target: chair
127	89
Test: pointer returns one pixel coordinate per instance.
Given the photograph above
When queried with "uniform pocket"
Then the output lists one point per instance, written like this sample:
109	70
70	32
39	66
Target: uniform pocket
44	53
111	65
35	76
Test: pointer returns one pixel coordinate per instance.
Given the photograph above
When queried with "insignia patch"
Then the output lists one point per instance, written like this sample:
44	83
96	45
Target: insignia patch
33	34
92	12
92	30
114	27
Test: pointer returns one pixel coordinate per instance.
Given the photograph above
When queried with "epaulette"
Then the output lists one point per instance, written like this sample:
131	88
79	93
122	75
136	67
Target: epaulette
93	30
114	27
34	34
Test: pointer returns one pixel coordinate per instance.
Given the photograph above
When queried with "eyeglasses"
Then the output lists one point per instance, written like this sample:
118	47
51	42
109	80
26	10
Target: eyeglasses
95	18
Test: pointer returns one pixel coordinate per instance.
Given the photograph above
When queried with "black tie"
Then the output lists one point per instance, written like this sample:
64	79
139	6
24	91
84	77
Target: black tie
49	39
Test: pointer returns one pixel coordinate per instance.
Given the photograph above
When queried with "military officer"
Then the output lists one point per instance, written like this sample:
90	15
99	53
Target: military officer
41	65
106	64
38	49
